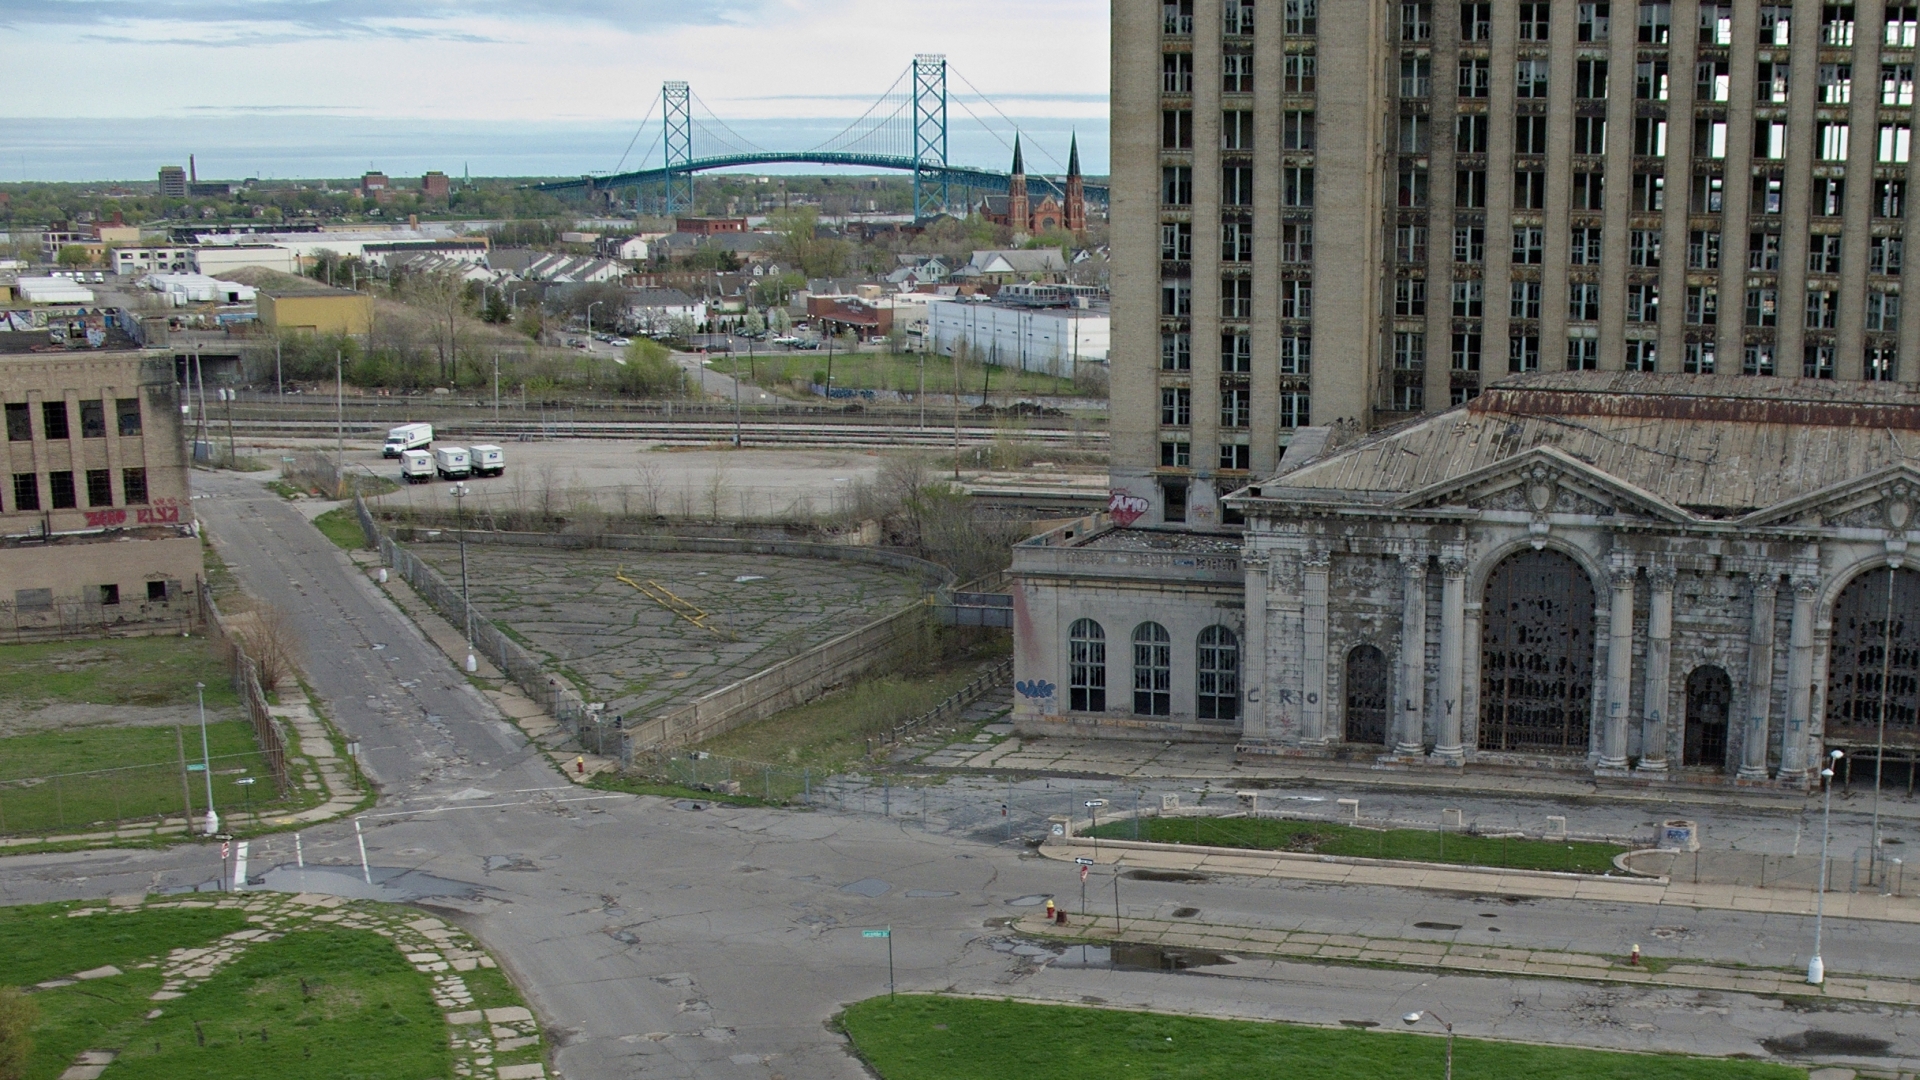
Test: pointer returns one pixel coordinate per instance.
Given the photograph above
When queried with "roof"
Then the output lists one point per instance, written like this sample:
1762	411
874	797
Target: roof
276	284
1714	445
660	298
1041	260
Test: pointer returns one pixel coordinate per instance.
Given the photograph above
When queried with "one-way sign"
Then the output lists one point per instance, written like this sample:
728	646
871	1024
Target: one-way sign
1082	860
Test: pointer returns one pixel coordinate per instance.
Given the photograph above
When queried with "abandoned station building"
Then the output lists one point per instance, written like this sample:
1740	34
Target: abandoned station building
1670	577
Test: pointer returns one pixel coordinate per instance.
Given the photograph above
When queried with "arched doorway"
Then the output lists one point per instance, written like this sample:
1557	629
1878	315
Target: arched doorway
1873	667
1536	649
1369	693
1709	702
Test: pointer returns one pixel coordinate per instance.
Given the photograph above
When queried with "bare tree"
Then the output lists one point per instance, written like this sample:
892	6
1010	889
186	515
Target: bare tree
270	640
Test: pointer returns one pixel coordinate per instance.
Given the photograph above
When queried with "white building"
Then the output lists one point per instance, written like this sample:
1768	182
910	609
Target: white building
216	260
53	290
183	289
141	261
1045	339
653	311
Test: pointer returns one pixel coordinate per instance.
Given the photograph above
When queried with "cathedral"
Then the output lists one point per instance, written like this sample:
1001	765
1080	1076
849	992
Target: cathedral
1017	209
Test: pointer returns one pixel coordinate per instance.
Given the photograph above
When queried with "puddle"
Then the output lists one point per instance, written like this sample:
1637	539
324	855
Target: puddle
1489	915
929	894
518	864
1493	929
688	805
390	883
1816	1043
1137	958
871	888
1436	926
1029	901
1185	912
1163	875
1360	1023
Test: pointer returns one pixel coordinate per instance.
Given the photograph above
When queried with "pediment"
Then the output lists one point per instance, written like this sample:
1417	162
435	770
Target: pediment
1543	481
1882	499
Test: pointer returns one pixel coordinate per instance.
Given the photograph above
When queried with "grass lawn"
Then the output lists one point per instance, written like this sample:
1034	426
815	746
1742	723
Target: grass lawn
938	1038
1327	839
115	671
341	526
889	371
144	783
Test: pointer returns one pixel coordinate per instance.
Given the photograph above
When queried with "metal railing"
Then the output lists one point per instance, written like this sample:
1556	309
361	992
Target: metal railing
1000	674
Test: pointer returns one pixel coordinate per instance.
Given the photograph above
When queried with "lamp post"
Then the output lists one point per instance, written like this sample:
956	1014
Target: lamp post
1413	1018
206	760
1817	967
459	492
590	308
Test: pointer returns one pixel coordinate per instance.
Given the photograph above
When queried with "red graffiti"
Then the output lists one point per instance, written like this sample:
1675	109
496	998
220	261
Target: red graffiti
100	519
162	512
1125	508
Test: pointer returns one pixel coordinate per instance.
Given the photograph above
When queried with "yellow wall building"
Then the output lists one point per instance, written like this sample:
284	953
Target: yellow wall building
319	310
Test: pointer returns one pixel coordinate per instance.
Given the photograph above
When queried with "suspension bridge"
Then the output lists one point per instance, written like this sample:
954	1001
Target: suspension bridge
905	130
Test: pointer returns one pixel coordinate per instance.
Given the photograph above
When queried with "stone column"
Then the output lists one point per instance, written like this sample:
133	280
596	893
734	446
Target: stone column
1793	744
1313	708
1453	617
1653	711
1411	735
1753	752
1257	681
1613	737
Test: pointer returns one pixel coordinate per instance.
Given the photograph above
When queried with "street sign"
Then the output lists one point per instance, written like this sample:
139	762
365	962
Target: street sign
876	933
1083	881
1091	803
196	767
1082	860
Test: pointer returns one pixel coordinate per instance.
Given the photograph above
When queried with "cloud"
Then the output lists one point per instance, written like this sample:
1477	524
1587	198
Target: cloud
226	23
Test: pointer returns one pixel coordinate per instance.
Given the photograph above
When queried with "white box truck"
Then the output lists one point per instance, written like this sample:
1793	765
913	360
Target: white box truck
488	460
407	437
452	462
416	466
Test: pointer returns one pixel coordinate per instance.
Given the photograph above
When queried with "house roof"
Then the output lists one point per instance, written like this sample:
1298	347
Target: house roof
1042	260
1714	445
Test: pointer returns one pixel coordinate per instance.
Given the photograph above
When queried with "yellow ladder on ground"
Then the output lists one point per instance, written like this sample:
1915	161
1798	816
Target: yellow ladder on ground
685	609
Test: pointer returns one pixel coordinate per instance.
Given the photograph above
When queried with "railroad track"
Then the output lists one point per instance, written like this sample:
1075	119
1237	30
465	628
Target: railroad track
681	433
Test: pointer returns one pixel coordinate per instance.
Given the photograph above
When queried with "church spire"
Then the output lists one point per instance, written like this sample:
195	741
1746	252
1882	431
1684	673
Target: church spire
1018	168
1073	155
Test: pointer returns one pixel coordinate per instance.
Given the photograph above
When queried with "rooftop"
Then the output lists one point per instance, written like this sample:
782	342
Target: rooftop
276	284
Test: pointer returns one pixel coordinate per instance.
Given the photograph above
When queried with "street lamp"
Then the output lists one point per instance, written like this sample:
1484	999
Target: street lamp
590	308
206	760
1413	1018
459	492
1817	967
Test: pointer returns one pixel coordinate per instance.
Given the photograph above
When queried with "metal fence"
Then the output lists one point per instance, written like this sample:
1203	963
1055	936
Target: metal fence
152	796
246	683
1000	674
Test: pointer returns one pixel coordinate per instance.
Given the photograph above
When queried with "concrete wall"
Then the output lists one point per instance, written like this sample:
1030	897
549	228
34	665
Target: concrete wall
346	313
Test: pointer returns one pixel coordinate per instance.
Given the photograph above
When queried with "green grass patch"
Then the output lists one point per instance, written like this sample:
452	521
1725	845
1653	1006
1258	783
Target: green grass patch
940	1038
286	490
154	671
1322	838
123	774
636	785
42	941
890	371
342	526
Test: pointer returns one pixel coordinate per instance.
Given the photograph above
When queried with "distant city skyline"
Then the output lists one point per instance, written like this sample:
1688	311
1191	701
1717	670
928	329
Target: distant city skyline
534	87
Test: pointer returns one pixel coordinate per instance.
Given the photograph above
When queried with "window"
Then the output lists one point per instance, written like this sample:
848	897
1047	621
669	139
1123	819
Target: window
1236	129
1650	80
1176	299
1583	301
1152	670
1296	352
1236	73
99	487
109	595
1883	311
1414	134
1413	183
1836	25
1476	77
1236	242
1836	84
1829	196
33	599
1896	140
1470	133
1296	186
1699	358
1529	189
1643	302
1776	23
1466	351
1300	73
1830	139
53	419
1301	18
1589	135
1238	17
1086	667
1533	21
1896	84
1703	305
1176	129
19	422
1237	185
1716	23
133	485
1525	297
1236	298
1889	198
1763	250
1529	244
1711	81
1583	352
1176	406
1523	353
1296	130
1643	355
1236	456
60	490
26	491
1592	21
1902	20
1822	309
1469	299
1296	242
1470	189
1236	352
1176	352
1530	78
1763	307
1176	455
1409	351
1590	79
1589	191
1176	73
93	419
1177	17
1416	22
1470	244
1295	409
1643	248
1476	22
1409	397
1769	139
1236	407
1758	359
1703	250
1416	77
156	592
1176	241
1296	299
128	411
1176	185
1529	134
1823	254
1771	81
1880	364
1656	22
1769	193
1883	256
1650	192
1410	298
1219	674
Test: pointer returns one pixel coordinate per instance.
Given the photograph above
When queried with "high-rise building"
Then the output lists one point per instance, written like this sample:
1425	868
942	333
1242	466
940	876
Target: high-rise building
1362	212
173	182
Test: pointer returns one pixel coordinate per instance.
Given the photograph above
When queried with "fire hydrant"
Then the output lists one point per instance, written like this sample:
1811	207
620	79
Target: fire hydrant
580	765
1635	957
1049	911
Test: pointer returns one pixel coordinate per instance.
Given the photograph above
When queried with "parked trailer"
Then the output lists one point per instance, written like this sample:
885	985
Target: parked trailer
416	466
488	460
452	462
407	437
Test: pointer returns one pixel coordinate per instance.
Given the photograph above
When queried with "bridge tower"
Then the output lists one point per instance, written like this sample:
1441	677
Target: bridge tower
929	135
676	102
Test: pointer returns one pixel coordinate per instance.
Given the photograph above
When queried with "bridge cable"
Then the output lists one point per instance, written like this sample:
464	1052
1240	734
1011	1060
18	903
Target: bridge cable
636	136
744	143
884	98
1010	122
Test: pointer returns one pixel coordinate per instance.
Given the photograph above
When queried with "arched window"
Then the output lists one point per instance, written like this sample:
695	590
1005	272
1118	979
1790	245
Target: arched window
1219	671
1152	670
1873	668
1709	698
1369	689
1536	655
1086	667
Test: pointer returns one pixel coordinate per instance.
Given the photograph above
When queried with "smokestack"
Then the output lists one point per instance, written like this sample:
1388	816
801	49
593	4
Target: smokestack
193	171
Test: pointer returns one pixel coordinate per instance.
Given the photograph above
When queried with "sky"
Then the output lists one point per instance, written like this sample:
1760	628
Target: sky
104	89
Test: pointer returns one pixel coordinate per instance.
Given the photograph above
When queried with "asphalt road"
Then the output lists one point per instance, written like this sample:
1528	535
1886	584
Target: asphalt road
658	940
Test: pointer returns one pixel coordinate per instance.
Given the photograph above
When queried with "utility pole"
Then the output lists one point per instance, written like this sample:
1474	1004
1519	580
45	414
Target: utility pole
496	389
956	412
736	398
339	421
206	761
279	384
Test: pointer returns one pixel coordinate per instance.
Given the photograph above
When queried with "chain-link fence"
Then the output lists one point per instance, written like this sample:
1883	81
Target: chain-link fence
153	795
